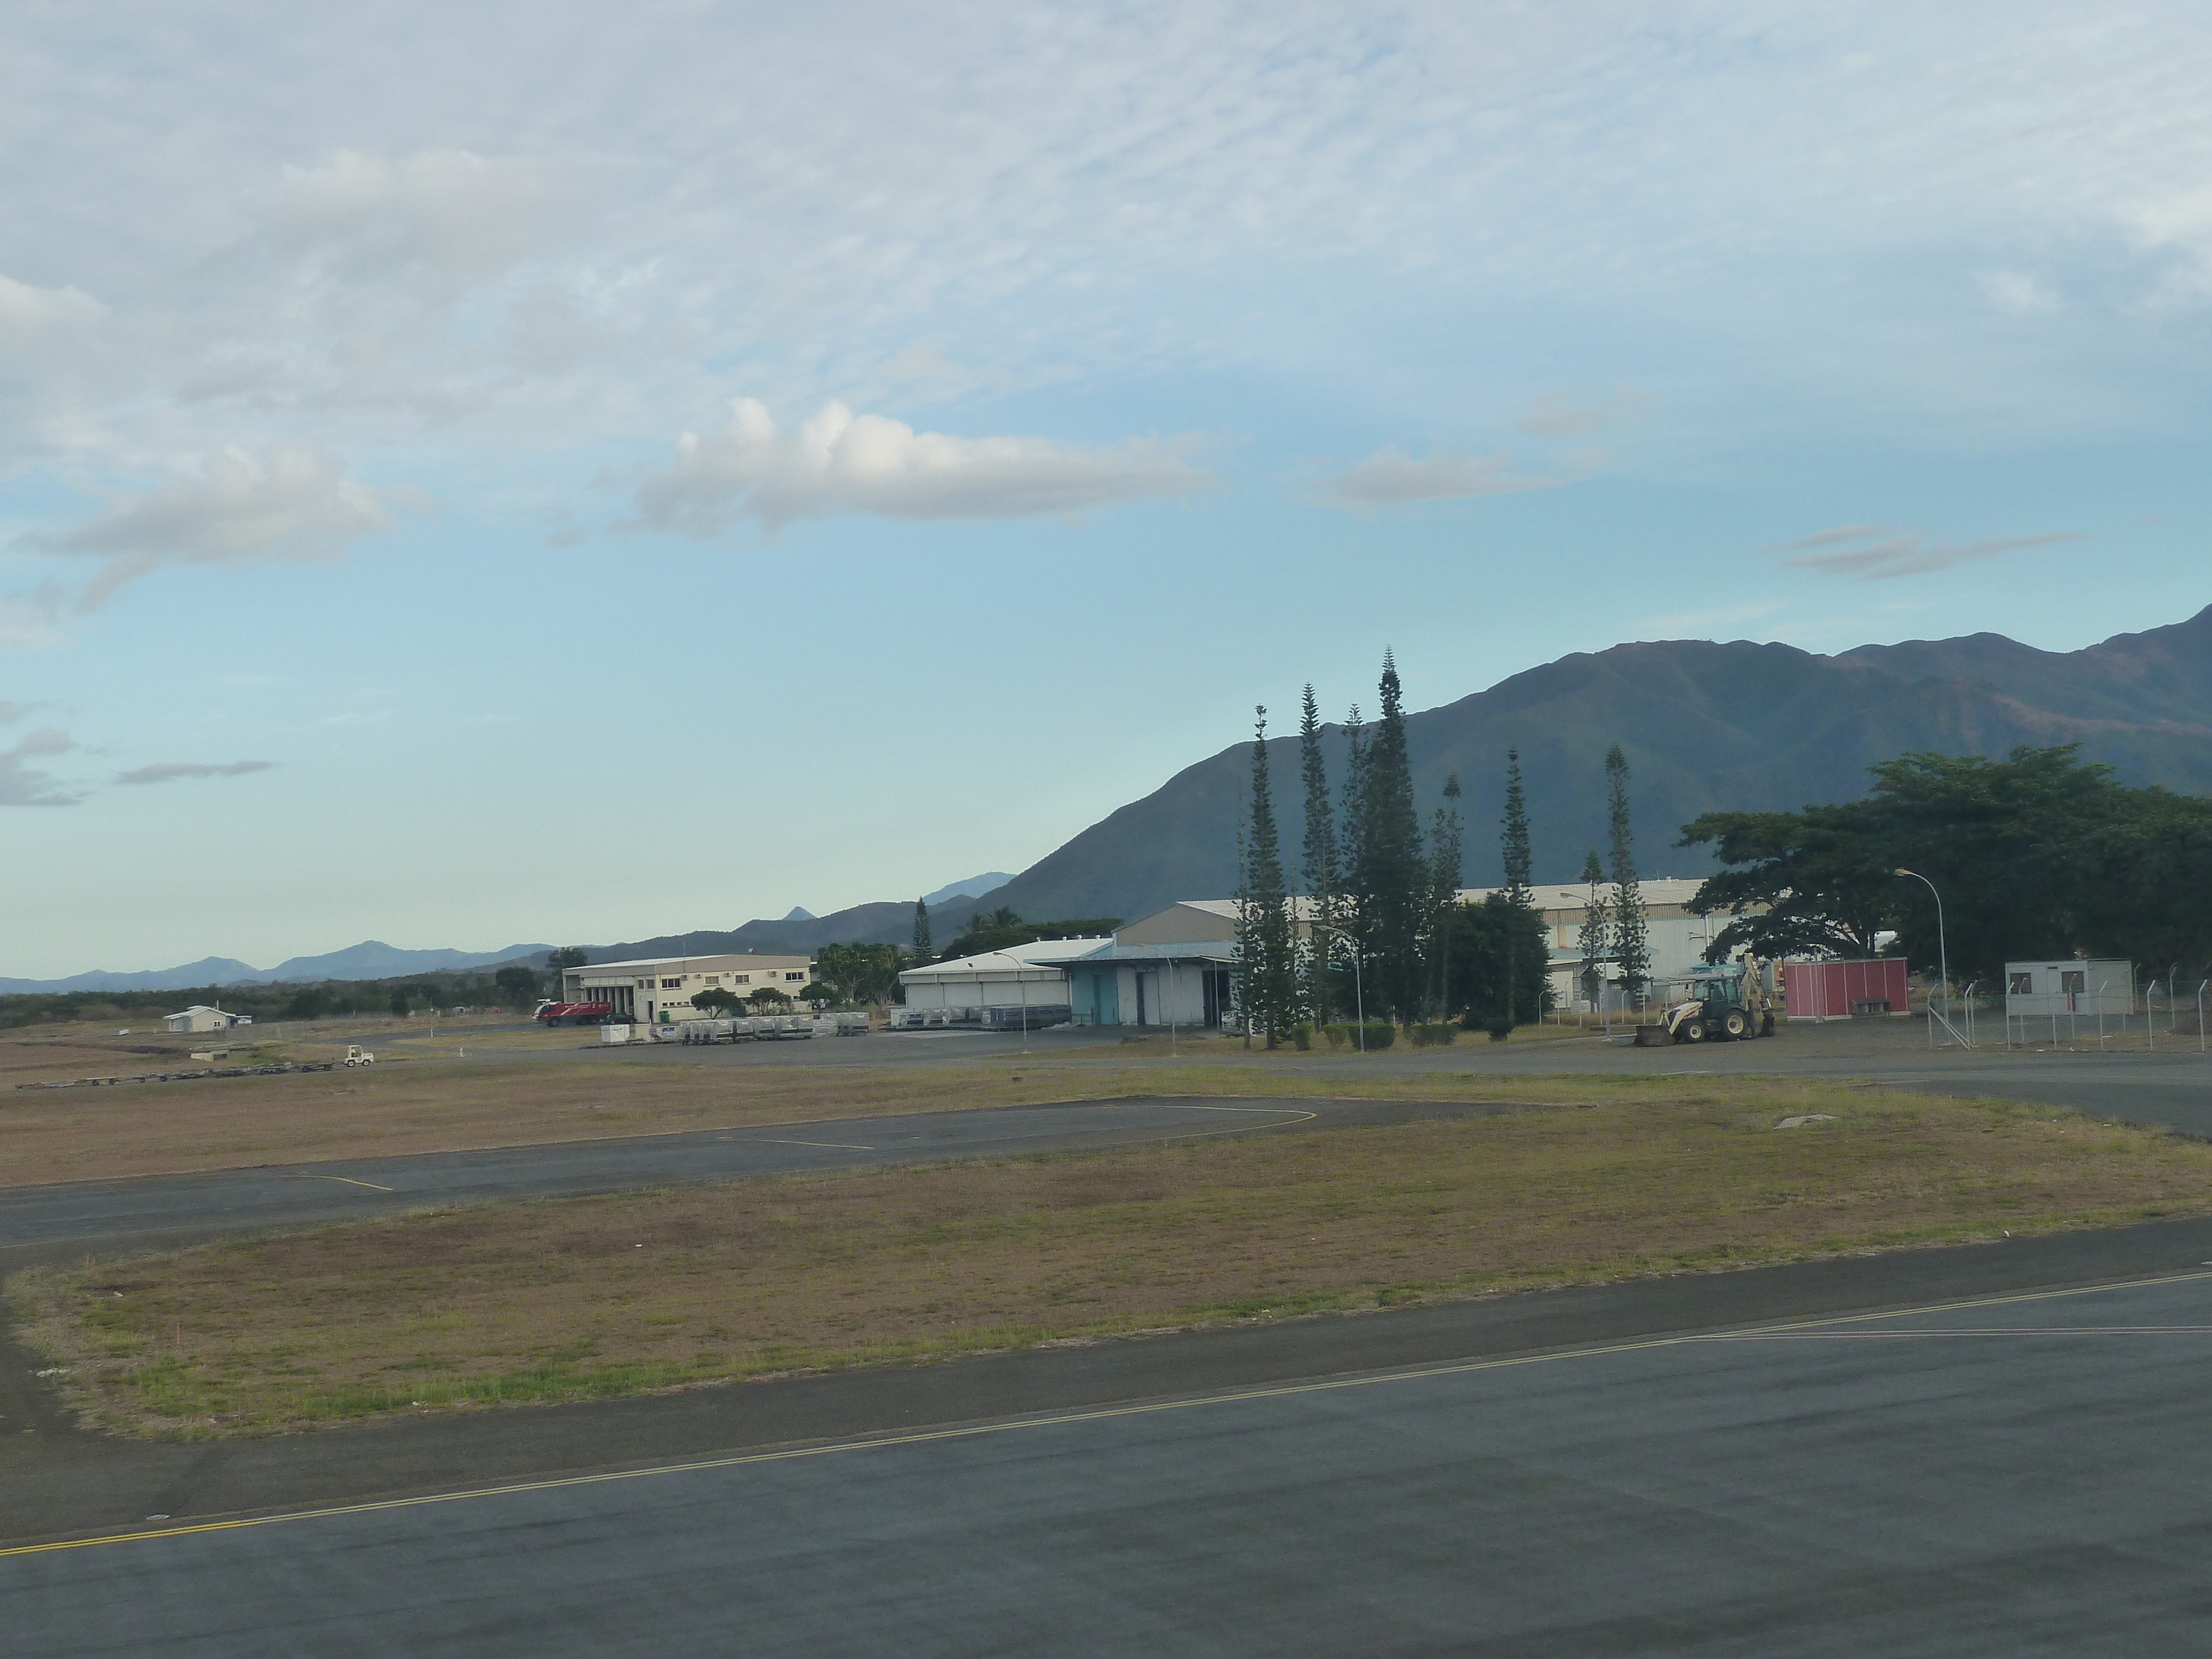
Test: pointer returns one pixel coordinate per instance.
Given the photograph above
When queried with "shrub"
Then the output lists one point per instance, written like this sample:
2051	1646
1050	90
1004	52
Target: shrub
1500	1028
1302	1033
1381	1034
1441	1035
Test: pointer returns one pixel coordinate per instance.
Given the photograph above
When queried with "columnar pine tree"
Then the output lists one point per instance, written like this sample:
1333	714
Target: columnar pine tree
1317	868
1390	878
1513	842
1354	914
924	953
1444	894
1271	977
1631	946
1596	941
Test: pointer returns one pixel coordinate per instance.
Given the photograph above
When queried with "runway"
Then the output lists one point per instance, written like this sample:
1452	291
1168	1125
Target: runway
2014	1475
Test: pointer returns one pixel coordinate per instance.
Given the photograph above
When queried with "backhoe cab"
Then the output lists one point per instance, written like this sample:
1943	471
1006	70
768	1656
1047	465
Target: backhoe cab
1722	1002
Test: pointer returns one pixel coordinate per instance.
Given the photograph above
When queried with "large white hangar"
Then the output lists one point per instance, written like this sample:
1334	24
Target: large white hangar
1024	984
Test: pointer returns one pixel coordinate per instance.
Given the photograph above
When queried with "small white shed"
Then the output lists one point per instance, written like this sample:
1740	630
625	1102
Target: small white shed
200	1017
2083	985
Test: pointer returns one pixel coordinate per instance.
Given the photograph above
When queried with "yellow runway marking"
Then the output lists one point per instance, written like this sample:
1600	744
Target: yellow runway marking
350	1182
769	1140
1106	1413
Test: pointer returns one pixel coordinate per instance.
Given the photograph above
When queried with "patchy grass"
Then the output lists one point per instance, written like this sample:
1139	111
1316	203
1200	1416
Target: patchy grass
573	1298
446	1104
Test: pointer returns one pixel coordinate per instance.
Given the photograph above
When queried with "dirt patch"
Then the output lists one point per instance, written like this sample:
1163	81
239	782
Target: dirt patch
577	1298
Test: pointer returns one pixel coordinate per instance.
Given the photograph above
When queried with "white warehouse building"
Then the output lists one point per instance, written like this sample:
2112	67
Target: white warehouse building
1023	984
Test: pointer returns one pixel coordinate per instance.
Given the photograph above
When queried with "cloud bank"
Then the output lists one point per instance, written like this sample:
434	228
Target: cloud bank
22	784
838	462
170	771
1874	553
288	502
1391	478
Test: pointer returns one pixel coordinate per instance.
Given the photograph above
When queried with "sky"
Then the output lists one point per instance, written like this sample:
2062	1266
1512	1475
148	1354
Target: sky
484	473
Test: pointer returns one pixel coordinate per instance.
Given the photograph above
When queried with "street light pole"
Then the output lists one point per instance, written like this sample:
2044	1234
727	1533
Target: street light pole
1358	995
1942	946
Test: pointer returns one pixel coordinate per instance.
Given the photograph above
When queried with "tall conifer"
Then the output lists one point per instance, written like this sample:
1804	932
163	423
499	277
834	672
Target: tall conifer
1513	843
1631	946
1392	877
1318	863
1595	940
1444	848
1271	988
924	952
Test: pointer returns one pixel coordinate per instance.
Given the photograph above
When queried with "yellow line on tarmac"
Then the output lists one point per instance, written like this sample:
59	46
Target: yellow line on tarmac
769	1141
350	1182
1105	1413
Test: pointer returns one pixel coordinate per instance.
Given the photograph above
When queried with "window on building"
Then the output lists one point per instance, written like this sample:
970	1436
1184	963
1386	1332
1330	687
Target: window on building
672	984
741	979
796	979
645	985
2020	985
714	979
2073	979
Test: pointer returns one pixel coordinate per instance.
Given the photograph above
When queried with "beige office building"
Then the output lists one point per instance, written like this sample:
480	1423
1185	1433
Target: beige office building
661	988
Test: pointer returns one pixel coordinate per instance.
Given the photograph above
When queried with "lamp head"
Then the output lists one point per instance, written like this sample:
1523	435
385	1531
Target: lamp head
1905	872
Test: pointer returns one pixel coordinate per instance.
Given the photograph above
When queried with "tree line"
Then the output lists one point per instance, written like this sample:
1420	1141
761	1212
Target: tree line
1371	921
2039	855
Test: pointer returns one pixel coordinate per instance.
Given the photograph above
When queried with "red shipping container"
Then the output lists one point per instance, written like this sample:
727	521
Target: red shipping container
1837	990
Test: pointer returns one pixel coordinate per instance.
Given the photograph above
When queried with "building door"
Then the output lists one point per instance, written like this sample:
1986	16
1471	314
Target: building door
1214	982
1105	998
1141	977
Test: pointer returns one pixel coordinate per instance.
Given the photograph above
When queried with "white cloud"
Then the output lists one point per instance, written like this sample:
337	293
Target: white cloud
288	502
1391	478
448	211
2178	223
1560	414
28	314
24	785
838	462
1872	553
27	622
172	771
2016	292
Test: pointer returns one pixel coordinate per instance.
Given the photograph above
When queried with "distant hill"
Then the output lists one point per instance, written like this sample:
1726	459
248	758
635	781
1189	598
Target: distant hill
1705	726
370	959
889	923
969	890
208	970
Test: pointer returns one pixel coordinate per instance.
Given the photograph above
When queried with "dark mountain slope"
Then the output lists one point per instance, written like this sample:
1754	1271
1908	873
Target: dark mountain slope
1705	726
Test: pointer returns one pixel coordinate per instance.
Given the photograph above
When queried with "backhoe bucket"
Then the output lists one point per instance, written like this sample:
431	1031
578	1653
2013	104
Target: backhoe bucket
1654	1036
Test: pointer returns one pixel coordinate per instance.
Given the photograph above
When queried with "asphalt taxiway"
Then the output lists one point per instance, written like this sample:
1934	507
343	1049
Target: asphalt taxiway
2020	1472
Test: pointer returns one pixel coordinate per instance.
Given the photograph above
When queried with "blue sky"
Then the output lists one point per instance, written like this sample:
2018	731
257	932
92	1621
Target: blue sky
475	473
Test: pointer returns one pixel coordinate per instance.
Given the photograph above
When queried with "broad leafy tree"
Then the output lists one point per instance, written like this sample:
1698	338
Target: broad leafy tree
2037	855
1499	962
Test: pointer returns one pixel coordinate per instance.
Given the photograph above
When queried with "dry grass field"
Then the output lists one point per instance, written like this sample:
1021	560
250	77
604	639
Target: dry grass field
572	1298
522	1086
